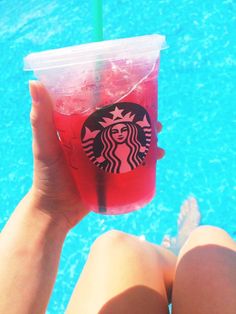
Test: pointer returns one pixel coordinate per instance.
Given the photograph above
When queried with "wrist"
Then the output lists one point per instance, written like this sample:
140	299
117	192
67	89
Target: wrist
65	210
47	212
33	229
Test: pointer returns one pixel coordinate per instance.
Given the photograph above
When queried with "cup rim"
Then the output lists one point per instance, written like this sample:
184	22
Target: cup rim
117	49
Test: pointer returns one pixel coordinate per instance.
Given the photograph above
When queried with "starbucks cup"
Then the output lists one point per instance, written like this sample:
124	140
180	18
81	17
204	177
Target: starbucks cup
105	113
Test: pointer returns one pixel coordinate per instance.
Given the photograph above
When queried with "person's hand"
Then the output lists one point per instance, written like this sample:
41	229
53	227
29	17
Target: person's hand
160	151
53	189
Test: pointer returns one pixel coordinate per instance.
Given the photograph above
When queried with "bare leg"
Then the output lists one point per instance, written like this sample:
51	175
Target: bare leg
125	275
205	279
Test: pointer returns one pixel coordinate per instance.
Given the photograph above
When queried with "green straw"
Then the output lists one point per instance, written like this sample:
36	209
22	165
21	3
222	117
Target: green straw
98	20
98	36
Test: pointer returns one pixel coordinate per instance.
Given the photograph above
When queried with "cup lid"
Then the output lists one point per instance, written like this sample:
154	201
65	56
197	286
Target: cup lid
93	52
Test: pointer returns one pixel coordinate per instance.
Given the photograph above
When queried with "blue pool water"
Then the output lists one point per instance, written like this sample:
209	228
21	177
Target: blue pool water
197	98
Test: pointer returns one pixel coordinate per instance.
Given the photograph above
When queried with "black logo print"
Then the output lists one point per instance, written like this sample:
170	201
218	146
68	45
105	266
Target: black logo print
117	138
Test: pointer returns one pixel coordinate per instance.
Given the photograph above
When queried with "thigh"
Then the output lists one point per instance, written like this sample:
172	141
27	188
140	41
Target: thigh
205	280
124	275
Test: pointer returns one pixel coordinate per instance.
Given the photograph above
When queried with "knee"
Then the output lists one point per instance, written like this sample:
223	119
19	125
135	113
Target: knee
208	235
209	250
124	245
111	240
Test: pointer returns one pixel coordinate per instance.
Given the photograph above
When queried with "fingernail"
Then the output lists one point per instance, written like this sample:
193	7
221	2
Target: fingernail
34	91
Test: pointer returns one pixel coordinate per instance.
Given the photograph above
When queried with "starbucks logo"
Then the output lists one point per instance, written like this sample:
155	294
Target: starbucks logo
117	138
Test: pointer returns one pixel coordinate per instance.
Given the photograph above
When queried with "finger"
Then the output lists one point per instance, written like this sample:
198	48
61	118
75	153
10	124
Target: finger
160	153
45	142
159	127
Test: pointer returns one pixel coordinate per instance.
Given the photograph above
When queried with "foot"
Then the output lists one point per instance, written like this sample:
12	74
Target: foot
189	219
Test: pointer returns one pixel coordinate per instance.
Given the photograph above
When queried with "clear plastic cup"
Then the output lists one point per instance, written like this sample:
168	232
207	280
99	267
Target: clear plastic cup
105	112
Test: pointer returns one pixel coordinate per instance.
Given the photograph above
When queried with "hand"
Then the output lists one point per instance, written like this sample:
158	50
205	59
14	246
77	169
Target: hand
53	190
160	151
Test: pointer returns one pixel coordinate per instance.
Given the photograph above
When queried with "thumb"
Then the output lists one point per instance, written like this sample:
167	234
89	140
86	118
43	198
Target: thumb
46	147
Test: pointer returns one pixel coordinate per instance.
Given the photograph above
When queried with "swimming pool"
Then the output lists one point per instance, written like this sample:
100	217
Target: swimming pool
197	96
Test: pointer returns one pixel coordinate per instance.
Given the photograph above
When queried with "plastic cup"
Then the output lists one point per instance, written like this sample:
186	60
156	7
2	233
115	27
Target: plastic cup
105	112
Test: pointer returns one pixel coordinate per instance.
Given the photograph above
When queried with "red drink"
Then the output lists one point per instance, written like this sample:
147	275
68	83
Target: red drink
105	97
101	190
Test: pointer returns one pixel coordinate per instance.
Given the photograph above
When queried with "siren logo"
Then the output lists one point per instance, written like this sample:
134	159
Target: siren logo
117	138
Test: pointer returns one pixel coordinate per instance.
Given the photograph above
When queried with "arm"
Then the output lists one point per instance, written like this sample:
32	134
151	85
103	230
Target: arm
31	241
30	247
